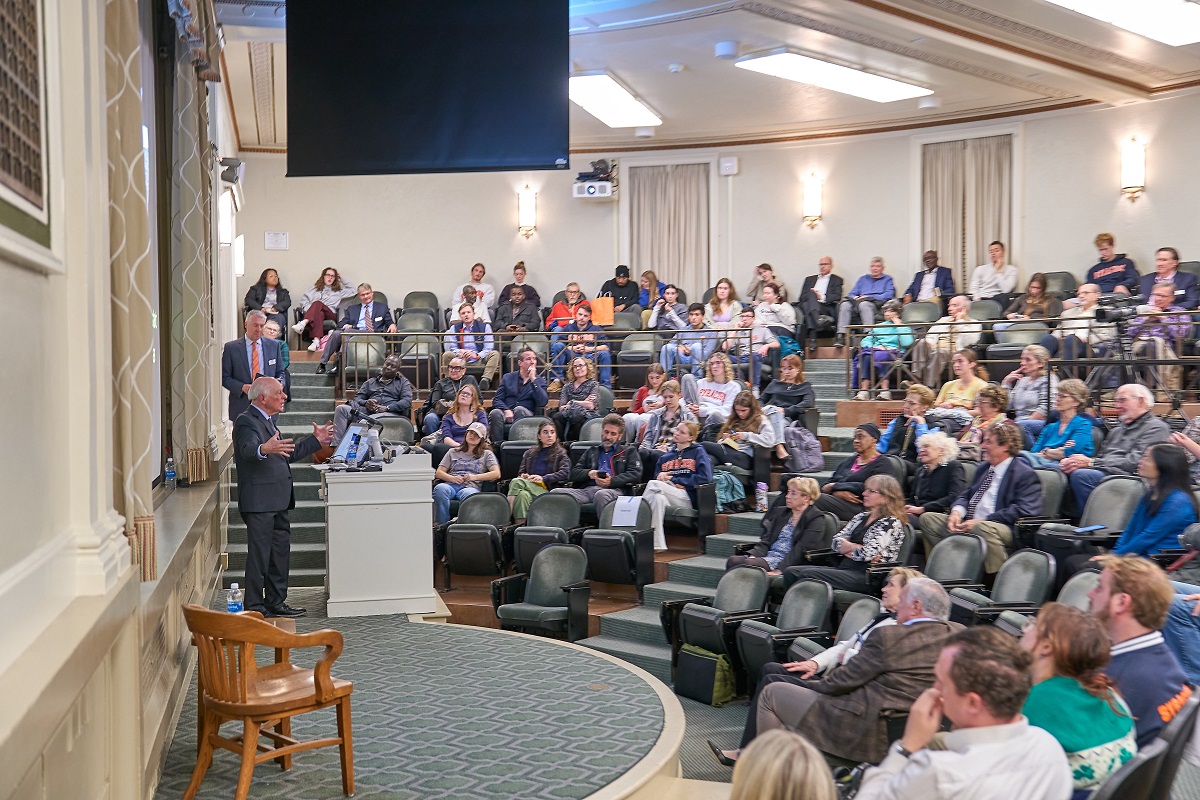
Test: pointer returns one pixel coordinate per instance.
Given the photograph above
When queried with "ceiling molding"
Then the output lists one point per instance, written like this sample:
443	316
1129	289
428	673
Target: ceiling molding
262	75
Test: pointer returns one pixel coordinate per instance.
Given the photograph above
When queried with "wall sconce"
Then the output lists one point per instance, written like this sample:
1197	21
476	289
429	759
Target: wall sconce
526	211
813	191
1133	169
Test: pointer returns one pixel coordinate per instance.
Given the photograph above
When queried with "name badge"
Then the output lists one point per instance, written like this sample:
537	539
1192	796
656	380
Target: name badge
271	363
379	319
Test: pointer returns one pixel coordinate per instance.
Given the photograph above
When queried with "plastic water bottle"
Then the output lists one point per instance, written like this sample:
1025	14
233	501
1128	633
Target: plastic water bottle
760	496
352	453
169	476
234	602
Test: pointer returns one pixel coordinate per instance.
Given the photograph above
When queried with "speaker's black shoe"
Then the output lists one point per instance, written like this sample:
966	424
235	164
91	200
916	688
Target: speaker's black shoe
286	611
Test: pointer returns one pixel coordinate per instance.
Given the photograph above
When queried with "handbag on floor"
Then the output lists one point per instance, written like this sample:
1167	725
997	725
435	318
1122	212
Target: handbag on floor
704	676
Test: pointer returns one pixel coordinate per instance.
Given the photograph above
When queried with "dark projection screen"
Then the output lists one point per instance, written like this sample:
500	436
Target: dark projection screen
449	86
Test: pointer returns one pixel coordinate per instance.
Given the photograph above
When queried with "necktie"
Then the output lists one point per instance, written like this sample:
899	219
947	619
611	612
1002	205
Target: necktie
948	339
255	361
979	493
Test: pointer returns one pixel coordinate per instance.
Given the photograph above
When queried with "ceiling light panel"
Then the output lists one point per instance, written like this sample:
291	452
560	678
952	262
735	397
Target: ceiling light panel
804	69
604	98
1173	22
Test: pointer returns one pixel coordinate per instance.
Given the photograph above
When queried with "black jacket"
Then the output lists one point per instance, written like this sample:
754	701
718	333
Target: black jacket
846	479
809	533
833	292
792	398
447	389
626	466
258	294
935	491
626	295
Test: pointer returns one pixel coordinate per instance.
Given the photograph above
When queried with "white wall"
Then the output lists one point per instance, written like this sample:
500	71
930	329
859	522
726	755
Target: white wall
422	232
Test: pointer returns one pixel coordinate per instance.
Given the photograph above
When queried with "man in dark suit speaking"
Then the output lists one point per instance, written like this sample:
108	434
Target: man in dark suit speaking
247	358
265	495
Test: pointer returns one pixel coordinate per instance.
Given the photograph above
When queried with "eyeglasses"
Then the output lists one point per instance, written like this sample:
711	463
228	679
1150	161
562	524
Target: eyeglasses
457	366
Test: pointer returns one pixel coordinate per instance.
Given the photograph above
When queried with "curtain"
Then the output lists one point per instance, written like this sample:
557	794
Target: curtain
966	200
191	270
130	265
669	224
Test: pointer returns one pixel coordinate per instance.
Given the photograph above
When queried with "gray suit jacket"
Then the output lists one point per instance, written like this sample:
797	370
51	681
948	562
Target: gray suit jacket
264	484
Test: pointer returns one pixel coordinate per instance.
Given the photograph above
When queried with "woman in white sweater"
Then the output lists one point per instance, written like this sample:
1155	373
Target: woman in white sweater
711	397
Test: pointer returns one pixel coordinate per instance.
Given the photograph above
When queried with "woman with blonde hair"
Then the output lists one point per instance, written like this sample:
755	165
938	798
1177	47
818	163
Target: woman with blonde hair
1032	391
782	765
467	409
651	289
680	470
957	397
1071	435
790	529
711	397
723	308
577	402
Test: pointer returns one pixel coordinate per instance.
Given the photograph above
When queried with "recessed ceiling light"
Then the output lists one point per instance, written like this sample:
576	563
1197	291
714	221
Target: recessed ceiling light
784	63
1173	22
599	94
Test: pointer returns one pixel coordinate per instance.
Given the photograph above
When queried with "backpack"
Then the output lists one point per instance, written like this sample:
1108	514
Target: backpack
729	489
804	451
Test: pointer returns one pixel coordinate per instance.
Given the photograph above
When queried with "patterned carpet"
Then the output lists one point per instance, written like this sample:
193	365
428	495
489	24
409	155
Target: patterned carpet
443	711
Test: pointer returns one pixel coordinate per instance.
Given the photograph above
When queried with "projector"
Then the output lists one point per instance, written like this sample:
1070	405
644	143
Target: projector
592	189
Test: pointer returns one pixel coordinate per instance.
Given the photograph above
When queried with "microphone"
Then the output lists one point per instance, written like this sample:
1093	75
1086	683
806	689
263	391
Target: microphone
363	416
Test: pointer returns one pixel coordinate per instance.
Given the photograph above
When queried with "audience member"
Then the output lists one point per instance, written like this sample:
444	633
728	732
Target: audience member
650	288
1078	335
1032	391
518	315
710	399
819	297
646	400
1071	698
787	398
989	407
452	432
995	280
750	343
746	428
604	471
1136	430
874	534
931	283
1182	630
842	493
272	330
366	316
952	333
842	713
563	312
442	395
678	472
879	349
1071	434
544	467
471	340
619	288
780	765
1003	492
723	308
774	311
901	435
521	394
387	395
1114	273
667	313
321	303
866	297
692	346
462	470
659	429
531	294
247	358
1189	440
791	527
474	298
1159	338
578	400
584	339
764	274
1034	304
957	397
270	297
981	683
1166	270
482	288
939	480
1132	600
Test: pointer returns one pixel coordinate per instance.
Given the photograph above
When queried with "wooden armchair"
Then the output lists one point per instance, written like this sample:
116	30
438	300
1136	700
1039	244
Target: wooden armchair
233	687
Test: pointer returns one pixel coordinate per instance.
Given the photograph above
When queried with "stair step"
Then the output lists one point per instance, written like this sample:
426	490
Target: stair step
655	659
748	523
303	557
656	593
297	578
311	379
722	544
302	533
699	571
305	511
639	624
309	405
301	419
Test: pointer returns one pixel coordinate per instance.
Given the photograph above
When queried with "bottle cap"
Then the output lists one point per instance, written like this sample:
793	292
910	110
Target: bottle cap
233	586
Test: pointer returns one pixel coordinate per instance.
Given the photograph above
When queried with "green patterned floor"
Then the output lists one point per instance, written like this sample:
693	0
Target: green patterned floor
446	711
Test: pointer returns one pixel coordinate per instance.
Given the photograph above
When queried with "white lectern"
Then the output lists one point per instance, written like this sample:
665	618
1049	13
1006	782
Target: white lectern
378	539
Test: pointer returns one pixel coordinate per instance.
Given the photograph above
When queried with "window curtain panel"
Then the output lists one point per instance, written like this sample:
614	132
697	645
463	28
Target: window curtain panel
966	200
669	224
134	464
191	271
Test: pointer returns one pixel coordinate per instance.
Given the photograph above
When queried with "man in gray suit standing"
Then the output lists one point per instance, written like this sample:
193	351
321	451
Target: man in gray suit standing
246	358
265	494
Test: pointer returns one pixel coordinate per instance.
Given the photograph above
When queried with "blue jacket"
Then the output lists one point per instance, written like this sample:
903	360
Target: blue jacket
1108	275
881	289
689	467
1146	534
512	393
1187	292
893	429
644	295
943	281
1078	429
1020	493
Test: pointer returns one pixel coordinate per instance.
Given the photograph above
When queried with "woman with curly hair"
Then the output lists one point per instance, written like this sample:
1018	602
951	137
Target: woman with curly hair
321	303
269	296
577	403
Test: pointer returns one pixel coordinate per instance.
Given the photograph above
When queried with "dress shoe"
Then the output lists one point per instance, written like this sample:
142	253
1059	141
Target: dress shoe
839	340
286	611
719	755
320	369
484	384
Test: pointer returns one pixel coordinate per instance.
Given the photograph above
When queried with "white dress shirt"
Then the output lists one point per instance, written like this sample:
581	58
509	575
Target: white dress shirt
822	287
928	282
987	503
